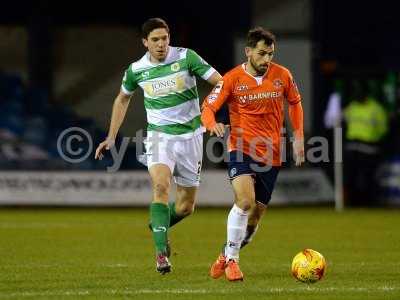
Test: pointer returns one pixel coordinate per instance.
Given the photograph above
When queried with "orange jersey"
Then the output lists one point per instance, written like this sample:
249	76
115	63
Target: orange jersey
256	110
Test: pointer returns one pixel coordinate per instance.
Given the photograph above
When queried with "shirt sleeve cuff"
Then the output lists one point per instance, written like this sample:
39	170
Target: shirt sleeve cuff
125	91
208	74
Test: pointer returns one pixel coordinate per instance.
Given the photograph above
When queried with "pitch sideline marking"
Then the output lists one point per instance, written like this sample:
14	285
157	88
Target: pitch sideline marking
197	291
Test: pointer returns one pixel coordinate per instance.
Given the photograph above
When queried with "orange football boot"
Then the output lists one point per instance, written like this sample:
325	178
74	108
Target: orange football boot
232	271
218	267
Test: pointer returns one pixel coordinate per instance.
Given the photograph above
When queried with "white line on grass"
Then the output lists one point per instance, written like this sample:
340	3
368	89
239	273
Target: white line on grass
306	289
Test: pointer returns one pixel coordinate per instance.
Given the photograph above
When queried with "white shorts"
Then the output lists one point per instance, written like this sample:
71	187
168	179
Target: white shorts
183	157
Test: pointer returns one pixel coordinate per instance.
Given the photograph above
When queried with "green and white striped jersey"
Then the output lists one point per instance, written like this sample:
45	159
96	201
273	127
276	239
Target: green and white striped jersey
170	92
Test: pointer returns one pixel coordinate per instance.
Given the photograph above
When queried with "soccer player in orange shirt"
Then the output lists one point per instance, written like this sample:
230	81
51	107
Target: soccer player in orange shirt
256	92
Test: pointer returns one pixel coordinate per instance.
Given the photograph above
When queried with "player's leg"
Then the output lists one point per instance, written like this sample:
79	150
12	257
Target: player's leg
161	166
255	214
189	154
244	210
243	187
159	213
183	205
264	186
240	175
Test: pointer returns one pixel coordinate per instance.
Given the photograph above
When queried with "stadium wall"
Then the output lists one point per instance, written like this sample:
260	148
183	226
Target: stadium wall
134	188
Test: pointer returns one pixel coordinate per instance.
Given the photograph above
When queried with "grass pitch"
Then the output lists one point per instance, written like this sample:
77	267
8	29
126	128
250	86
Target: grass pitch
108	254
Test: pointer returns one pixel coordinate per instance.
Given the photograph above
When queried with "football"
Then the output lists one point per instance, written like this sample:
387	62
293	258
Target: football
308	266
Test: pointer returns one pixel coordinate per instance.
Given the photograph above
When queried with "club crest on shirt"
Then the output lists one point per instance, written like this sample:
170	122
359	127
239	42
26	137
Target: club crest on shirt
277	83
242	87
175	67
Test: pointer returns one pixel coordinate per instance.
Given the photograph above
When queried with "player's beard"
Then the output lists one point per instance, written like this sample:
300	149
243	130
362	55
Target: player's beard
259	71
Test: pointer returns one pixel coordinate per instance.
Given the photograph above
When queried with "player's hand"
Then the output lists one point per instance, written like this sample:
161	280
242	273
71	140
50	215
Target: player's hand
218	129
106	145
298	151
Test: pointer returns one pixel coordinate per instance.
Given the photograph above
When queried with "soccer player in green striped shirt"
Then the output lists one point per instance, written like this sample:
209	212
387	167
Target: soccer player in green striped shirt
174	142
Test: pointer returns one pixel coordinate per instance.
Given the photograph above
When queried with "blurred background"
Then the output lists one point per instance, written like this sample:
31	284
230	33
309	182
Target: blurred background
61	66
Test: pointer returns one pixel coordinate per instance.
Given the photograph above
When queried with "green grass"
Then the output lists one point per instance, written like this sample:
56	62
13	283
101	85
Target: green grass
108	254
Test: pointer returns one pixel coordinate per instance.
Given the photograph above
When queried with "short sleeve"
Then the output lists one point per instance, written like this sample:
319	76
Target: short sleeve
198	66
129	83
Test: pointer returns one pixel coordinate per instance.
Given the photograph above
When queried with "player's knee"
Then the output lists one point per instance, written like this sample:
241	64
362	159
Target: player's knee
245	203
185	209
161	189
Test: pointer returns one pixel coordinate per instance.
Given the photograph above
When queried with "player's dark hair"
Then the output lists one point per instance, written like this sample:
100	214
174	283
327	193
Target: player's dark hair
151	24
257	34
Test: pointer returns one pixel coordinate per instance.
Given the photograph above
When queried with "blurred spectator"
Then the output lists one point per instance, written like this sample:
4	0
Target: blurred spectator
367	125
30	126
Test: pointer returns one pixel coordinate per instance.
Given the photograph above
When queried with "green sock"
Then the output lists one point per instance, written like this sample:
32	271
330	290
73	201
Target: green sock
159	217
174	218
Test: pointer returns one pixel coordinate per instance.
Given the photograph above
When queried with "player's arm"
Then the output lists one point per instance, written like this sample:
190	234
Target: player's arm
119	109
199	67
212	103
214	78
296	119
